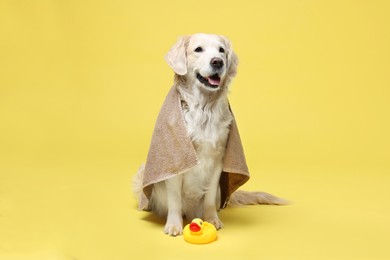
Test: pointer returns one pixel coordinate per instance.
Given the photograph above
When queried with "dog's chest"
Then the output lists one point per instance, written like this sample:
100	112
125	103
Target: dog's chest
209	131
208	126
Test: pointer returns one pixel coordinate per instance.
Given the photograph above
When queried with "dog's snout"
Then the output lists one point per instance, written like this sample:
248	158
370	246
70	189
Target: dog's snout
216	63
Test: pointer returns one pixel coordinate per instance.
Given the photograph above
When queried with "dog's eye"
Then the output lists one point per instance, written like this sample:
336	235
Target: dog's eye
222	50
199	49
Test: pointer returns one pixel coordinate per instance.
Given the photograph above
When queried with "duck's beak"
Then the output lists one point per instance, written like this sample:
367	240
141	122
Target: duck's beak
194	227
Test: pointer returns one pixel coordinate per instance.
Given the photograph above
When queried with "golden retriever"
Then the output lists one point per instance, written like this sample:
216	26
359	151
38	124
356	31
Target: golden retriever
204	65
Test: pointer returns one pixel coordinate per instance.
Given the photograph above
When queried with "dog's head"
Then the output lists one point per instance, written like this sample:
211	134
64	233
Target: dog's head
204	59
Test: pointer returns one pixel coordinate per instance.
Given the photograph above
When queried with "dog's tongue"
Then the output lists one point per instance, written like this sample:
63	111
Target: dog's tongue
214	81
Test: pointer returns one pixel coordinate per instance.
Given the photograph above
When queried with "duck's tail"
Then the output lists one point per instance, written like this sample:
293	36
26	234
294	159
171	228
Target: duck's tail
241	198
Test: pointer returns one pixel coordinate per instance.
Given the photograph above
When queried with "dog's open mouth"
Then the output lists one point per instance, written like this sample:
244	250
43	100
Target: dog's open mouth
212	81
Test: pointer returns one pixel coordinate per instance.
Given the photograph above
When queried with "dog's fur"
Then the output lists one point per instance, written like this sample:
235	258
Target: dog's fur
204	65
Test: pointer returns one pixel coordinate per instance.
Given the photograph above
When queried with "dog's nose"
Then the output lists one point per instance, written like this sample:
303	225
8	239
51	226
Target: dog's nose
216	63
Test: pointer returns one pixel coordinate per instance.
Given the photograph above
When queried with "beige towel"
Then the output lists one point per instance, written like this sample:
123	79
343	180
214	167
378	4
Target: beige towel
171	152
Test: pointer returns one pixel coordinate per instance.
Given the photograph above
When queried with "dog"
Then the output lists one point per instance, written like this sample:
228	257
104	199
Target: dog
204	65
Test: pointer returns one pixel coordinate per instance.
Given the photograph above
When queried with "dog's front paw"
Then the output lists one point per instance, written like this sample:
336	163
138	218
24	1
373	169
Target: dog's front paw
215	221
173	229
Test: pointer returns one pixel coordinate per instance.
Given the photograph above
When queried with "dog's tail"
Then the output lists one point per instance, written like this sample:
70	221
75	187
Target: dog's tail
241	198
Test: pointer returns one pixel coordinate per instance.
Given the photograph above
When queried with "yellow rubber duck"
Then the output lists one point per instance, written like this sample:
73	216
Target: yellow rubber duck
199	232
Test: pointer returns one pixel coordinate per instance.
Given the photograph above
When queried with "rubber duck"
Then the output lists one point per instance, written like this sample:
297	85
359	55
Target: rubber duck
199	232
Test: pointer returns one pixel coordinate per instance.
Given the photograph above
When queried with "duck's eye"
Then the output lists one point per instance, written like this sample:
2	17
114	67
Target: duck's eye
201	222
222	50
199	49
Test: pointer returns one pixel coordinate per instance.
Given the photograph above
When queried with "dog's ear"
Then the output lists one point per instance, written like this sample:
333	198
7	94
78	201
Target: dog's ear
232	59
177	56
232	63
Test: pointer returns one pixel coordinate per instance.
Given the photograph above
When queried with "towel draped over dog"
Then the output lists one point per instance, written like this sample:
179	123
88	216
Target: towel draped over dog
172	152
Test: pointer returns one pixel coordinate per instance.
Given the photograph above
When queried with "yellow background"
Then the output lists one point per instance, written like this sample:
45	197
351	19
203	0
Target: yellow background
81	83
